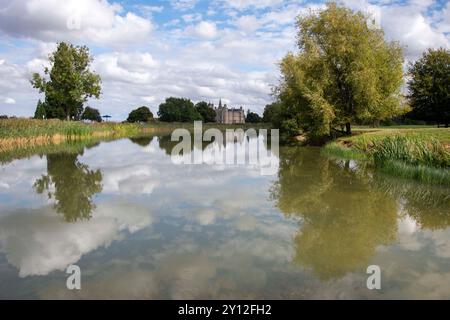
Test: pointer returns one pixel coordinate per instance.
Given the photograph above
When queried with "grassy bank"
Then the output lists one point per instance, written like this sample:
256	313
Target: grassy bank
26	134
421	154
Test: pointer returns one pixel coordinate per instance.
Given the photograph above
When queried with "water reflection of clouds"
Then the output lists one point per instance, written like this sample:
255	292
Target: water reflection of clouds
16	180
59	244
38	242
215	233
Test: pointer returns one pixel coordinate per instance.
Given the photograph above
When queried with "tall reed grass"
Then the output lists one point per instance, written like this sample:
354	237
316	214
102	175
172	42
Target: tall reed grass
414	155
412	151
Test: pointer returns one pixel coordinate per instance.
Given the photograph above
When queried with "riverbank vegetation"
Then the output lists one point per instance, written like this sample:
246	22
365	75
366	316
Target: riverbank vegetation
421	154
23	134
346	74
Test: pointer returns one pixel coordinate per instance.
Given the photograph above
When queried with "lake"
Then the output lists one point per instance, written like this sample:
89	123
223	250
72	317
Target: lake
140	226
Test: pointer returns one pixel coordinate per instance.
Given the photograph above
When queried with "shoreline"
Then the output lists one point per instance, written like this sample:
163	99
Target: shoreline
25	135
421	154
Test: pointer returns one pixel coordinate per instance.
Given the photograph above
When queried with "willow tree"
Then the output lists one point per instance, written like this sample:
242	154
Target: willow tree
345	72
68	83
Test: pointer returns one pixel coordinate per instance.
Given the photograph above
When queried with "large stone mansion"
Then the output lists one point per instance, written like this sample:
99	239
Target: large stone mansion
229	115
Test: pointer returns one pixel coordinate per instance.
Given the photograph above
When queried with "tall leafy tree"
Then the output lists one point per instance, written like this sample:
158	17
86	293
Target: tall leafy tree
178	110
344	72
252	117
68	83
40	111
271	113
91	114
142	114
429	86
206	110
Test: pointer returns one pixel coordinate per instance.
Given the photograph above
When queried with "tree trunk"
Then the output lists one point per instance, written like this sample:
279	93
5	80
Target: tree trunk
348	128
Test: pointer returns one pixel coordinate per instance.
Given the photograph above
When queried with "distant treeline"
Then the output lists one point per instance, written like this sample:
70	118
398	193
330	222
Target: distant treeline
184	110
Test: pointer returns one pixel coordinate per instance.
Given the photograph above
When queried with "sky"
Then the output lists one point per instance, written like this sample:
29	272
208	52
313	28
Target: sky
146	51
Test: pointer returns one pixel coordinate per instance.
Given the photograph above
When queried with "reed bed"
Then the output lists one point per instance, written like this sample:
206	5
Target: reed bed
419	154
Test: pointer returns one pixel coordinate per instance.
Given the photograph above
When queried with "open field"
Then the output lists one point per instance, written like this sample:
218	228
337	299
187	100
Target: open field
420	153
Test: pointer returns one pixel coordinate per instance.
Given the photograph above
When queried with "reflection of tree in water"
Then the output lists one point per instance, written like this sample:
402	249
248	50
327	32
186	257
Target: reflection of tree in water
166	144
343	219
428	205
71	184
142	141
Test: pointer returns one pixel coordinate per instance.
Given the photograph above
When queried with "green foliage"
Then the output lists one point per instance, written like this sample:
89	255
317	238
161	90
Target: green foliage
40	110
272	113
425	174
345	72
252	117
336	150
429	86
419	154
91	114
206	110
68	83
414	152
178	110
142	114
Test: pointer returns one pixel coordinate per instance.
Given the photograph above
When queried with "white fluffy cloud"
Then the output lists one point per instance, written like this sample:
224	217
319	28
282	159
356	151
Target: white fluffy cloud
410	24
183	4
245	4
10	101
95	21
227	50
204	30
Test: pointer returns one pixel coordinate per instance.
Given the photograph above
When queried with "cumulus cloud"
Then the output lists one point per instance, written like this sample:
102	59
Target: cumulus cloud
96	21
248	23
232	56
10	101
410	24
204	30
183	4
245	4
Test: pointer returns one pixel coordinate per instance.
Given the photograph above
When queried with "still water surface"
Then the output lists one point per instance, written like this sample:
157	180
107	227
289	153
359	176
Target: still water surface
141	227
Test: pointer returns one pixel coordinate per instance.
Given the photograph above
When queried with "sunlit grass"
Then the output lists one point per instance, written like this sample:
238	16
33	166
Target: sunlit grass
419	153
430	175
337	150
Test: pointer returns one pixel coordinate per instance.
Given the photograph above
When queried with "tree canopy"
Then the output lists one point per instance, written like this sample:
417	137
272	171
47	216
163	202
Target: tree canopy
68	83
91	114
271	113
252	117
429	86
142	114
206	110
344	72
40	111
178	110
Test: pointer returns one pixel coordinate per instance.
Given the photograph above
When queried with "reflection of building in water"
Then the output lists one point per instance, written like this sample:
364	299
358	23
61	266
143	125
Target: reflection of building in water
229	115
